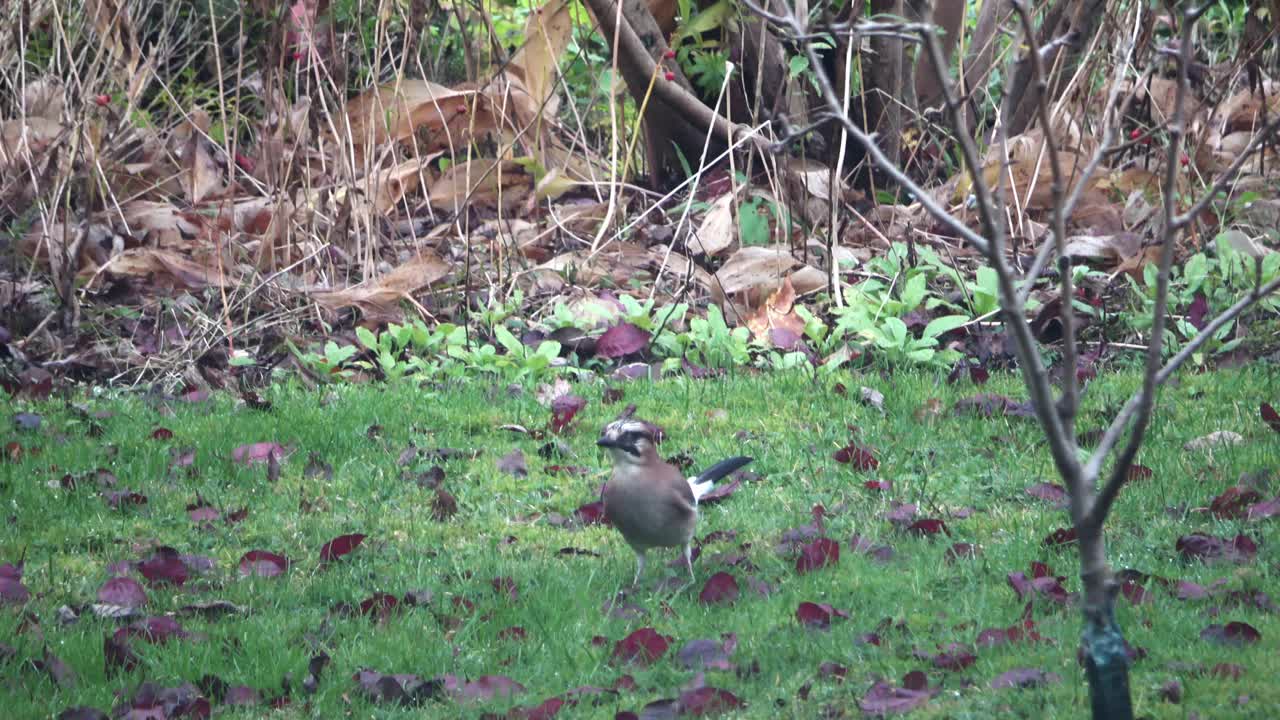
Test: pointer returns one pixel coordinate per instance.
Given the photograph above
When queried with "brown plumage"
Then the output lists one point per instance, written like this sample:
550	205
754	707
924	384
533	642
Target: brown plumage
650	502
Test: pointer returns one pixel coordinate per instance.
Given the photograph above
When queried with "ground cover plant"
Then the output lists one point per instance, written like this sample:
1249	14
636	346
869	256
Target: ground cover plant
411	550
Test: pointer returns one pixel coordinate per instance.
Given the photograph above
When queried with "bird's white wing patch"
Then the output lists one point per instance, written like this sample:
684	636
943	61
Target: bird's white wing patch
700	488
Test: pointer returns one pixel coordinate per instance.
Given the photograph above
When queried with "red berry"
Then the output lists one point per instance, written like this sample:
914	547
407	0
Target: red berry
245	162
1135	134
1185	160
669	54
297	55
103	100
670	75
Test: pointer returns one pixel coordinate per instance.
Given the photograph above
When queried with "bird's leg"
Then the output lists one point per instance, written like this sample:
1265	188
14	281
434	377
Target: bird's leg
688	560
639	566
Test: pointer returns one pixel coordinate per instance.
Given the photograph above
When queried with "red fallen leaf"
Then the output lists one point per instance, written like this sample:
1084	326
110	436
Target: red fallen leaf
487	687
621	340
1265	510
1061	536
1227	671
505	586
1208	549
879	485
954	657
118	654
591	514
162	433
122	591
379	605
258	453
263	564
1051	493
563	410
961	550
1049	588
201	512
833	670
818	615
1024	678
642	647
901	515
858	456
707	701
928	526
720	492
1234	633
885	699
865	546
1171	692
117	499
707	654
157	630
1139	472
720	589
164	567
340	546
818	554
1270	416
513	633
1233	502
12	591
547	710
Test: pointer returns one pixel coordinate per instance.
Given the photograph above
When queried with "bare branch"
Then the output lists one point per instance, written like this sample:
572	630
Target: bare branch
1103	150
1230	174
793	26
1098	512
1168	240
1061	443
1070	399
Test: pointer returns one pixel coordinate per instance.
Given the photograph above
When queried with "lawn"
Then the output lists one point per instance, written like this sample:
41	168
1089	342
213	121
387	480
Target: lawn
513	589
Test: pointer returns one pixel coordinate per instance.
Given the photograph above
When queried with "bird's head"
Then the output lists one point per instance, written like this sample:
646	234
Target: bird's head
630	441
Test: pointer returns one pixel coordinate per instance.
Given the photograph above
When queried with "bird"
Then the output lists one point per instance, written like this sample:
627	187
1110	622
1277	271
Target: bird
648	499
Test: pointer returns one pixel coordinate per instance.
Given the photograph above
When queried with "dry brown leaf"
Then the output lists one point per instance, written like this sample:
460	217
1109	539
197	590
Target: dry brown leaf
379	298
203	177
112	24
546	35
777	313
164	226
754	268
165	268
1029	170
387	188
618	263
1106	249
21	141
716	233
483	183
394	112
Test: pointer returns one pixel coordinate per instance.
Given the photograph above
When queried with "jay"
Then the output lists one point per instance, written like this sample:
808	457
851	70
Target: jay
650	502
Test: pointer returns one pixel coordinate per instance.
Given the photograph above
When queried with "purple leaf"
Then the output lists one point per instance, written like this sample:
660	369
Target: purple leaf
818	554
263	564
1237	634
642	647
621	340
340	547
720	589
885	699
123	592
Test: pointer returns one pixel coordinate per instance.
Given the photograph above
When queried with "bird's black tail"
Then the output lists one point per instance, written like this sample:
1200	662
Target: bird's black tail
722	468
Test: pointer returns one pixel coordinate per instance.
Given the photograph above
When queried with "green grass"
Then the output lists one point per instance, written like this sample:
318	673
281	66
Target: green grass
789	423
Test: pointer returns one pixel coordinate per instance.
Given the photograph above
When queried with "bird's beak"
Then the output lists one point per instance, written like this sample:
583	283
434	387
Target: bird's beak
605	443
